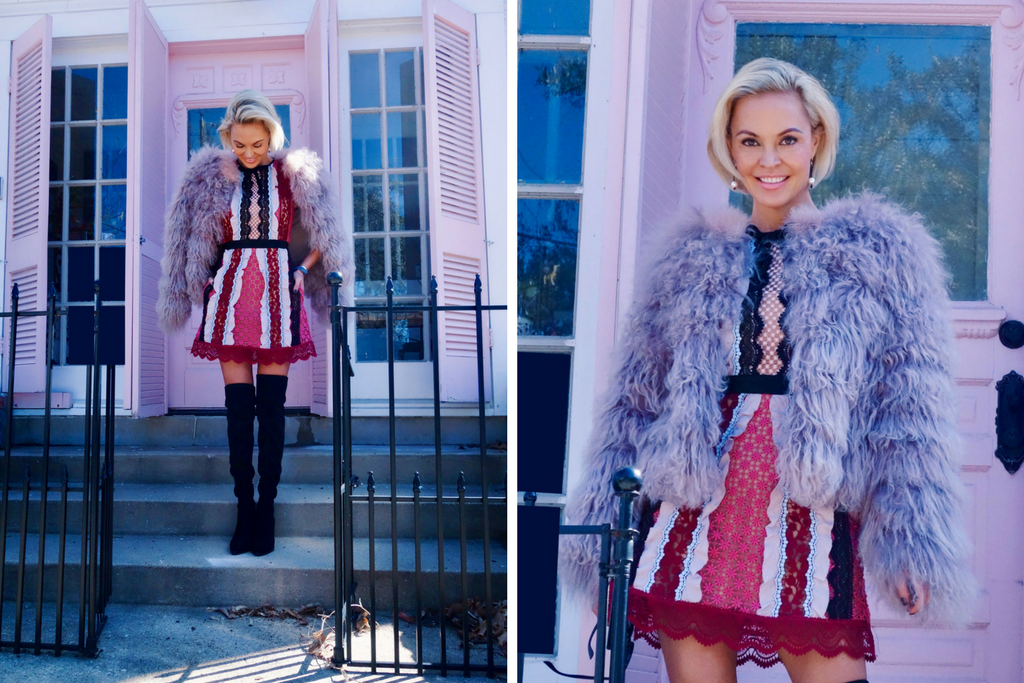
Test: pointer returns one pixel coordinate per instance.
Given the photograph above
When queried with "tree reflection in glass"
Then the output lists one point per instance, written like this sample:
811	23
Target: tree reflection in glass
914	102
548	231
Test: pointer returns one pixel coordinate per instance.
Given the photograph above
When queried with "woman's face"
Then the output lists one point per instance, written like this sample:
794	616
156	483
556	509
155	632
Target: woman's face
772	145
251	143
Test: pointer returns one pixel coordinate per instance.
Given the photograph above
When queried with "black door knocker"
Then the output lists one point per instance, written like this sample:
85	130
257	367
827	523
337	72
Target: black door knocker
1010	421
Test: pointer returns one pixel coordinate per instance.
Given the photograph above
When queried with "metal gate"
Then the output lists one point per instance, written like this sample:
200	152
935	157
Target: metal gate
95	491
347	501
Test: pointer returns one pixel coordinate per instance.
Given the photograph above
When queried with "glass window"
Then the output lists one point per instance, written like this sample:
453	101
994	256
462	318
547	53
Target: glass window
389	163
914	103
552	94
547	233
555	17
88	202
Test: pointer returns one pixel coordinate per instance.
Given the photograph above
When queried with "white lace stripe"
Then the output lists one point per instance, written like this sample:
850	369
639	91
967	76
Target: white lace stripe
774	562
275	205
817	593
654	550
261	260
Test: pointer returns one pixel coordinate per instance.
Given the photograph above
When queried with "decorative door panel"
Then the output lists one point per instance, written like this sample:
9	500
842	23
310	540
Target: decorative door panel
203	77
146	361
931	115
29	199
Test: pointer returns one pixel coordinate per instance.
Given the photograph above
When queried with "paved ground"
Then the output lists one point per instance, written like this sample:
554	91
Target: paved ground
157	644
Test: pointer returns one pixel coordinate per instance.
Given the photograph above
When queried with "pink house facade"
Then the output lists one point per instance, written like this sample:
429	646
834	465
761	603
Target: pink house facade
654	69
108	102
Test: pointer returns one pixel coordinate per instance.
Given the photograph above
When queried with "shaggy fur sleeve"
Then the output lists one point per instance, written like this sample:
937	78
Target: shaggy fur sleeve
175	302
320	214
912	523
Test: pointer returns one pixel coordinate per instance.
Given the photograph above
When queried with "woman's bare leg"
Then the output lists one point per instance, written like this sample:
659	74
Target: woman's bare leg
687	661
236	373
817	668
279	369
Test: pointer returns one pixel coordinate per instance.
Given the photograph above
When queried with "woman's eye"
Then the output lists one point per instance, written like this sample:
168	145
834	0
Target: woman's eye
749	142
789	140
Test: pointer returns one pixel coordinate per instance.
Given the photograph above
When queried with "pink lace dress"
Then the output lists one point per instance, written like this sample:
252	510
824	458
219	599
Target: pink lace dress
751	568
252	312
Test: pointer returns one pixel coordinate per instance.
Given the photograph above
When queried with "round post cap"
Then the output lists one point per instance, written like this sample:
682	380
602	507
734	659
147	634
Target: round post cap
334	278
627	479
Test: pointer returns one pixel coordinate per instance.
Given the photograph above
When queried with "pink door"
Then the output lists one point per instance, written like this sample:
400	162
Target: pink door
969	173
203	78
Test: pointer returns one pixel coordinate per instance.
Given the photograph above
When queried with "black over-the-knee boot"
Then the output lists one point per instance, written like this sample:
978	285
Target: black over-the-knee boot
270	392
240	400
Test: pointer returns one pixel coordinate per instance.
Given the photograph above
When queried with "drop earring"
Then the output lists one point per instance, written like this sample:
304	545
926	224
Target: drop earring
734	185
810	179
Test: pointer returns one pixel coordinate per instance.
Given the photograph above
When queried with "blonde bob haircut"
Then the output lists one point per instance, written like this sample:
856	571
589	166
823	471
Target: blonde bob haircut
249	106
772	75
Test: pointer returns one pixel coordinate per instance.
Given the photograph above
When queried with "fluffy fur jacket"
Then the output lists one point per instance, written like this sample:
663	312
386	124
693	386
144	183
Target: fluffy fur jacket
872	423
194	229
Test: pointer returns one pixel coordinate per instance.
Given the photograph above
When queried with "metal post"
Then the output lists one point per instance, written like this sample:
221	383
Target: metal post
438	474
348	533
626	482
394	470
482	416
602	603
416	487
19	600
62	537
8	443
51	303
94	479
464	574
340	485
371	489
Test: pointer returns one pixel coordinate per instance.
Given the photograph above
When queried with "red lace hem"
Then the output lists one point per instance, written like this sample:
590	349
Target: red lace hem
755	638
249	354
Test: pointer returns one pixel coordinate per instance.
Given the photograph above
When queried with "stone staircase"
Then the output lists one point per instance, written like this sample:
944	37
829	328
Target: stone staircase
174	512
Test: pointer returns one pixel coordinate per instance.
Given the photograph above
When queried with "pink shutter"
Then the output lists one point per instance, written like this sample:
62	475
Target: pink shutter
457	236
28	204
146	374
321	60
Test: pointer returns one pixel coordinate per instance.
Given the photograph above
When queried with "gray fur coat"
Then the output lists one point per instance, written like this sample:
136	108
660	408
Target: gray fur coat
872	423
194	229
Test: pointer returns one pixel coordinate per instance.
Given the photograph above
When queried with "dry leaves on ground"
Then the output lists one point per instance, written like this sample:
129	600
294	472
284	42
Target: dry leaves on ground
268	611
474	618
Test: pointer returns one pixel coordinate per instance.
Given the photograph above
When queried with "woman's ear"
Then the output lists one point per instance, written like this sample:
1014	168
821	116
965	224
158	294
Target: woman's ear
816	140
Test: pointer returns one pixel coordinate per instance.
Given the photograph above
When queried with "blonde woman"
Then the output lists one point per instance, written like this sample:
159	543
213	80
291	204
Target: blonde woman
784	386
227	250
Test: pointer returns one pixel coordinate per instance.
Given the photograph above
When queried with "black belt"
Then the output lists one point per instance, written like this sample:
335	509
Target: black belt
757	384
254	244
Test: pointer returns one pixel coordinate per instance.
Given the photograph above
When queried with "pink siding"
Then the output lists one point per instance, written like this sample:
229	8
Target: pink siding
458	238
145	370
29	197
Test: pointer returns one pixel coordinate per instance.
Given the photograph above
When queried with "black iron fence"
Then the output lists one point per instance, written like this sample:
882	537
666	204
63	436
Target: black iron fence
615	570
449	491
95	492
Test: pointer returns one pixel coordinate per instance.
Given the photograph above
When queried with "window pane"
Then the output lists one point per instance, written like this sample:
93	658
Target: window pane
555	17
112	273
364	80
284	112
552	93
113	208
115	92
369	255
82	164
400	78
402	140
56	153
55	215
57	84
406	265
54	262
372	335
81	213
366	142
544	405
367	203
81	276
547	243
79	339
202	127
83	94
914	102
405	201
115	152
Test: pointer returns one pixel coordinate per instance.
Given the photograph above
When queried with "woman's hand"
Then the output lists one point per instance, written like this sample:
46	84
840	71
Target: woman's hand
913	597
298	276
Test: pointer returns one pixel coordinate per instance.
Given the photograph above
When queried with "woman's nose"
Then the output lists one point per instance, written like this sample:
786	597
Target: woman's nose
769	157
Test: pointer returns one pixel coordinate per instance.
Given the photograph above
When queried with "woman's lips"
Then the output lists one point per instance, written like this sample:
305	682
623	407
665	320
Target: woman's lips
772	182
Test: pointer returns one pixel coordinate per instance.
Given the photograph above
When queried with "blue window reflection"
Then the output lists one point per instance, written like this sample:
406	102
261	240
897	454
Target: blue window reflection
113	201
366	141
115	92
114	163
914	102
552	95
555	17
364	80
372	337
548	231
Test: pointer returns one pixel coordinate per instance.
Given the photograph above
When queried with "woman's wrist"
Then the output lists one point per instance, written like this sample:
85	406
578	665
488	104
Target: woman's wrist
301	269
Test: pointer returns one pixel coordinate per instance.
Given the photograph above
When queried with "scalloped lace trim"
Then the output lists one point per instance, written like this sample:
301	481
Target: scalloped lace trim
249	354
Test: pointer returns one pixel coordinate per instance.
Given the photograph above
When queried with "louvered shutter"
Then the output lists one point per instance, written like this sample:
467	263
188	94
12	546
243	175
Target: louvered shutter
457	233
321	44
146	365
28	203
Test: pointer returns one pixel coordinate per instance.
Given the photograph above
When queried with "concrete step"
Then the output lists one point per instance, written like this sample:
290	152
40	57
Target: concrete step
300	510
198	570
301	464
211	430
